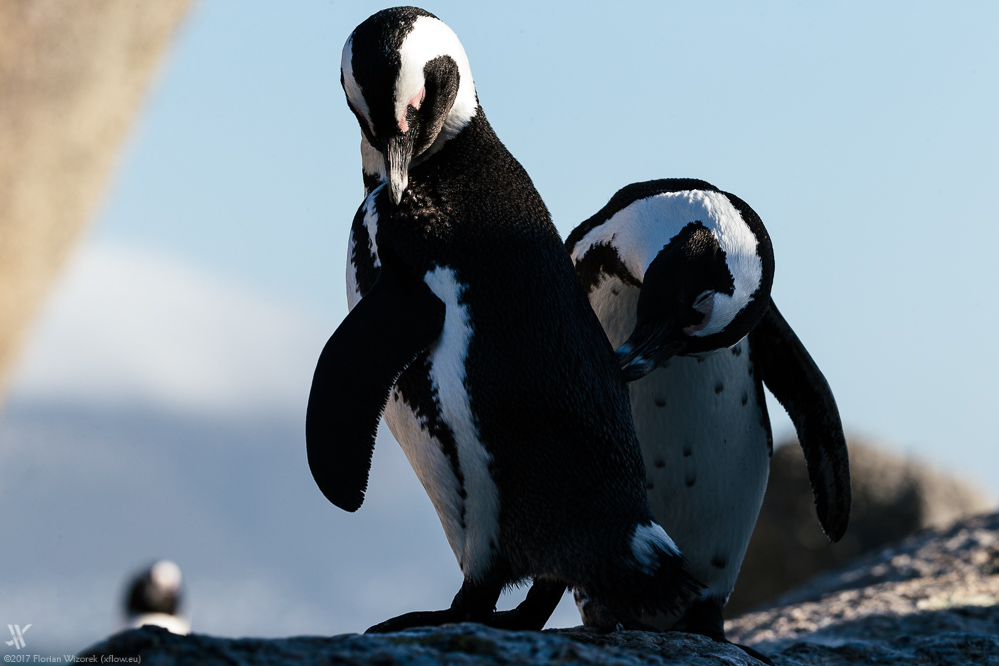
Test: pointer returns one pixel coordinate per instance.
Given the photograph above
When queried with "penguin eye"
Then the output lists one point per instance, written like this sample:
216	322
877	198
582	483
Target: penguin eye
701	302
704	304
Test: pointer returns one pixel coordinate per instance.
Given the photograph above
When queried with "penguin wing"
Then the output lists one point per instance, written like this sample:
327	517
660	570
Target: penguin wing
798	384
397	319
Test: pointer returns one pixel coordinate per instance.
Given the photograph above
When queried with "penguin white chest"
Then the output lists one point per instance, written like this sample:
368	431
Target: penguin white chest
706	449
705	442
439	436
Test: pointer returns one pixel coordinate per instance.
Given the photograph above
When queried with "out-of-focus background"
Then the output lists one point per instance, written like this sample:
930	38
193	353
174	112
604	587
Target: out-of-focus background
176	186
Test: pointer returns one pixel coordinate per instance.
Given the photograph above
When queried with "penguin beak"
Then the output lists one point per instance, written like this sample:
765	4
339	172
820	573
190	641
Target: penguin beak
648	348
398	153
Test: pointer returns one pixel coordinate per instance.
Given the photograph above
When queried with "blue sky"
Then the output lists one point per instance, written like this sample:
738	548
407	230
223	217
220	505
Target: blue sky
864	134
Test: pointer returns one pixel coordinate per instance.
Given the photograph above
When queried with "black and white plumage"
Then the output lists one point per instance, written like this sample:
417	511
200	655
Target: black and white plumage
675	269
469	321
154	596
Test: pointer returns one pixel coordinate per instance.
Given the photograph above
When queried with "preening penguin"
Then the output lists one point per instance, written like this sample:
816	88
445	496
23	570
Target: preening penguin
471	330
676	269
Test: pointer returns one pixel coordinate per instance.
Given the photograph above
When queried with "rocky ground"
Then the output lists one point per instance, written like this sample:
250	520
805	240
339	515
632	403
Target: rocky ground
931	599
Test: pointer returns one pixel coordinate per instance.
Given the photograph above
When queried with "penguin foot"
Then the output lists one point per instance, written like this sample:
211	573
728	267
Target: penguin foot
533	612
473	603
705	617
410	620
468	605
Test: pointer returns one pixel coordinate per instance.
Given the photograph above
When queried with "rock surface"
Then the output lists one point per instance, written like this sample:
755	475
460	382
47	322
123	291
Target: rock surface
893	497
937	585
931	599
450	644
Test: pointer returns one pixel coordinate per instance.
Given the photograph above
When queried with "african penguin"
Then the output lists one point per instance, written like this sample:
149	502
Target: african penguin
676	269
471	331
154	597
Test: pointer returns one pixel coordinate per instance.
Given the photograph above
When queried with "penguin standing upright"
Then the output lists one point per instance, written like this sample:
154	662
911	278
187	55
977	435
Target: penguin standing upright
154	597
469	321
676	269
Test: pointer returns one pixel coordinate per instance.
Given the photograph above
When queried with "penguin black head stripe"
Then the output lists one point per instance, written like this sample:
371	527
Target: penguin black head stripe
703	258
411	90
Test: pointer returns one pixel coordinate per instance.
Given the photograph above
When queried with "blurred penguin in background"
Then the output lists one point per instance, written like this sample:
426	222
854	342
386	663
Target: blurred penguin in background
154	596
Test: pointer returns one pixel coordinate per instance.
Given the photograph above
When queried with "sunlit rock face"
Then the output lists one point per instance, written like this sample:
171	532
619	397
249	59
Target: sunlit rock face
938	590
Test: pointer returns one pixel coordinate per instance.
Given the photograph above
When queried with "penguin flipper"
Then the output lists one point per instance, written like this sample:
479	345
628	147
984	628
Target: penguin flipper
796	381
396	320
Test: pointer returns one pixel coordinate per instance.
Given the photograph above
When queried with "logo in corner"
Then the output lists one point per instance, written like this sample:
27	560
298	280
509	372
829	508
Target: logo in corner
17	632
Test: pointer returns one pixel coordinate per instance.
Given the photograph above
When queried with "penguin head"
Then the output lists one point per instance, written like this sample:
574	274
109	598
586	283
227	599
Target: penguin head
688	303
155	590
702	259
407	79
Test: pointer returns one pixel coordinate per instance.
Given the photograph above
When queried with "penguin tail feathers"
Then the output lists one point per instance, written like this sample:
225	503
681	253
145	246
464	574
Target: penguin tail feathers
653	579
671	588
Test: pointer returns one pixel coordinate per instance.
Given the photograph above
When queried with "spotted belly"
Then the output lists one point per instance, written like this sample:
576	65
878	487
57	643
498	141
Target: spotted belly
705	439
706	445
